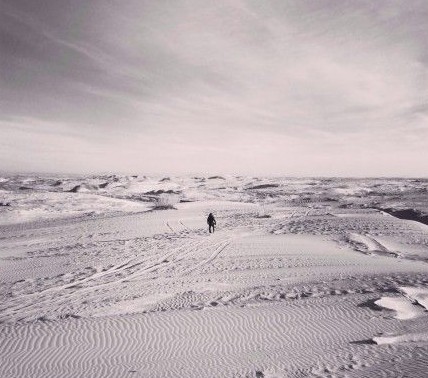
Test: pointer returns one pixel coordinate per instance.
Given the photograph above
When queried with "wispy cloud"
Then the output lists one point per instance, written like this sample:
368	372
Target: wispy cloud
273	86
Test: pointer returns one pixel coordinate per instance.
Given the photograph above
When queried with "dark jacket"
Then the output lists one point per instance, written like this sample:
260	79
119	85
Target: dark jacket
211	219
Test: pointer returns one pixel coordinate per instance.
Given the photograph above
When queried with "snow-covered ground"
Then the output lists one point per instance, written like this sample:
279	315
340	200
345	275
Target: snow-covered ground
116	276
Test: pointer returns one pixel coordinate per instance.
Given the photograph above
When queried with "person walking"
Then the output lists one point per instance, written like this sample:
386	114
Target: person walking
211	222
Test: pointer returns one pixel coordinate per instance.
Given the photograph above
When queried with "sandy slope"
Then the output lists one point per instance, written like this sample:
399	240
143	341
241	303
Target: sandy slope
316	291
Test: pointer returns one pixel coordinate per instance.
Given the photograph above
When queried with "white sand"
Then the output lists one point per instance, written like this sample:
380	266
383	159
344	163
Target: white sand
314	290
402	306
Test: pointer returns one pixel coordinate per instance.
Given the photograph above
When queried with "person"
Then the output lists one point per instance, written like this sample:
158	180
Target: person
211	222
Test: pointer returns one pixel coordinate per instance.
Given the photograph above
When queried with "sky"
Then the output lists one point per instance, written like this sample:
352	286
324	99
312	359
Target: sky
273	87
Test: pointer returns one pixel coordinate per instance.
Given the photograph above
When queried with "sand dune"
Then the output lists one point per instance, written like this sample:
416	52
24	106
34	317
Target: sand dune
283	288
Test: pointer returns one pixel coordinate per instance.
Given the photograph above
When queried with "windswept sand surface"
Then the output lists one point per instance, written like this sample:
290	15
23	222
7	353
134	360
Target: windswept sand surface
303	278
